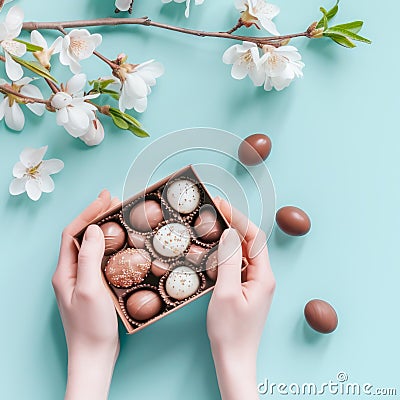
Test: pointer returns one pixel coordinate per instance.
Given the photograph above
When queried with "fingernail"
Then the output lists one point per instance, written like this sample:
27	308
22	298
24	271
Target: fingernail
102	192
228	246
217	198
230	234
92	233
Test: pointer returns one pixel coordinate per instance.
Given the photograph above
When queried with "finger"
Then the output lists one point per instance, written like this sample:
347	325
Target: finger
259	268
114	202
101	204
229	263
68	258
65	274
237	220
89	259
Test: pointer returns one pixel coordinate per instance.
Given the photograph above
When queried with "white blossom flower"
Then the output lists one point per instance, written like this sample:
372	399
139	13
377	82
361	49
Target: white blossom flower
9	30
78	45
196	2
95	134
123	5
73	112
44	56
281	66
136	82
10	108
245	60
32	173
258	12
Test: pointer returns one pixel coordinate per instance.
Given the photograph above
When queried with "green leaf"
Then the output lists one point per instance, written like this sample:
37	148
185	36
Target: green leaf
119	122
126	117
354	26
112	93
346	33
138	131
340	39
105	83
35	67
30	46
327	15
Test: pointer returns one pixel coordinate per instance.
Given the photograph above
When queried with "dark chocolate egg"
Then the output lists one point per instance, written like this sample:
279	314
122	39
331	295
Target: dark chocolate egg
143	305
293	221
207	226
254	149
114	237
145	215
321	316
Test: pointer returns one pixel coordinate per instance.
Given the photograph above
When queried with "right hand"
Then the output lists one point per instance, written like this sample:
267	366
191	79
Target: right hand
238	311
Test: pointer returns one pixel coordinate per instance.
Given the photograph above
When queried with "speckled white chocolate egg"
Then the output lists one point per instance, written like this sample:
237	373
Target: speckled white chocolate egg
183	196
171	240
181	283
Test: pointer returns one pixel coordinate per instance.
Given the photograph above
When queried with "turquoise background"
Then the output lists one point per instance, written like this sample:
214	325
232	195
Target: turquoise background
335	154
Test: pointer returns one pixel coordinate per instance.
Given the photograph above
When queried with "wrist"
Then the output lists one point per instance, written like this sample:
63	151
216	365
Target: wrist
236	373
90	373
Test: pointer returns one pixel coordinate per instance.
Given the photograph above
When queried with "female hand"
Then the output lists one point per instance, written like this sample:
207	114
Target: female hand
238	311
87	311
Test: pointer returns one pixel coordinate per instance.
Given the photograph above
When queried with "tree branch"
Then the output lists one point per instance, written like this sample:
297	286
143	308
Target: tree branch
7	90
145	21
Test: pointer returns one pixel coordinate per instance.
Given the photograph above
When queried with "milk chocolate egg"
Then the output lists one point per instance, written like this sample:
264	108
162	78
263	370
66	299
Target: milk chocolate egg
136	240
293	221
128	267
171	240
183	196
321	316
212	265
207	226
114	237
145	215
182	282
143	305
159	268
254	149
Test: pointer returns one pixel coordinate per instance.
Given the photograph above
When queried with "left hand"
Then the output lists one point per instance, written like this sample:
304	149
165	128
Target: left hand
87	311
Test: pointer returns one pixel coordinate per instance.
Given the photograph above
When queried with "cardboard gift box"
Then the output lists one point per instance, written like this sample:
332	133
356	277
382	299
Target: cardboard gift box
146	279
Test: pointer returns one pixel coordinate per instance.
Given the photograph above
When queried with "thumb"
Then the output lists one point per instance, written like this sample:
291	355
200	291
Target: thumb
89	258
229	263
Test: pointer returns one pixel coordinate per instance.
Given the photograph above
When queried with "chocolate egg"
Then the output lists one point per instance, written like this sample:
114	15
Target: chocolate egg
145	215
212	265
321	316
171	240
182	282
136	240
207	226
293	221
254	149
143	305
183	196
114	237
128	267
159	268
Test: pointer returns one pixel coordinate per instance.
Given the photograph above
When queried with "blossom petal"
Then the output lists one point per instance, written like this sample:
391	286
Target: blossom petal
52	166
2	108
14	70
14	117
76	84
19	170
135	86
33	189
239	70
140	105
62	116
268	25
14	20
95	135
231	54
33	91
123	5
17	186
32	157
46	183
38	39
13	47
